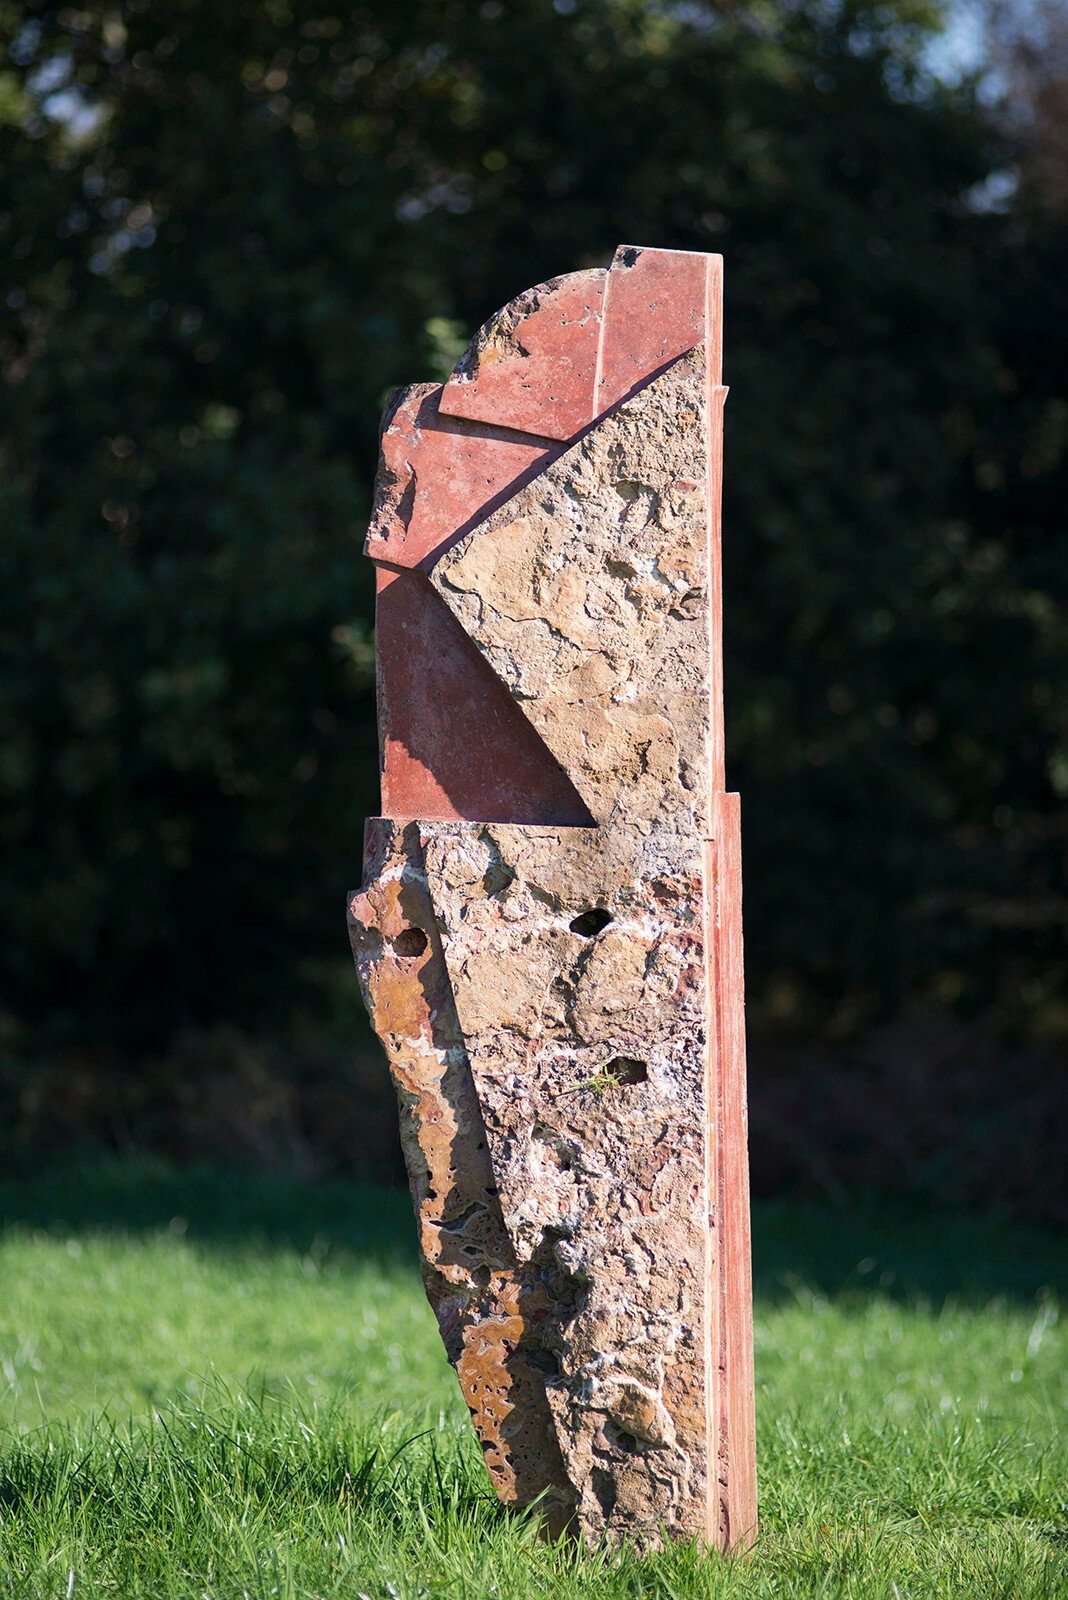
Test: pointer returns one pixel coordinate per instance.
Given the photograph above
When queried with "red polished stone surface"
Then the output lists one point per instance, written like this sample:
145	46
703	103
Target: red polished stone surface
454	742
734	1421
658	304
439	476
540	376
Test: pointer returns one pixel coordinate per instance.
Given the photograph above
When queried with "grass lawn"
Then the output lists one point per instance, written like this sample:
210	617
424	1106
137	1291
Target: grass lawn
213	1386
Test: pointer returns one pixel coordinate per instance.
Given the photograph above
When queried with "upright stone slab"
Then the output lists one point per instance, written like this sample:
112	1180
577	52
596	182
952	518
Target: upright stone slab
549	934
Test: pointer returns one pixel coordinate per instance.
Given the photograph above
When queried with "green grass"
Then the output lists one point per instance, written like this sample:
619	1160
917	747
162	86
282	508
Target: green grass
220	1387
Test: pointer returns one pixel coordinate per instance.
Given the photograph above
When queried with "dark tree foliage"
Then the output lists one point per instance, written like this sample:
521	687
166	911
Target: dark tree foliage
228	229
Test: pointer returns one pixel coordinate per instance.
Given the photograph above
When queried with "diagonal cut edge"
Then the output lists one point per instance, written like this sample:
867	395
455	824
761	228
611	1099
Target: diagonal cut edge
548	726
455	746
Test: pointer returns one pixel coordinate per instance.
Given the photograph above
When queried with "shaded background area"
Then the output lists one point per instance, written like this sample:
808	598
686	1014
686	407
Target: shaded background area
227	231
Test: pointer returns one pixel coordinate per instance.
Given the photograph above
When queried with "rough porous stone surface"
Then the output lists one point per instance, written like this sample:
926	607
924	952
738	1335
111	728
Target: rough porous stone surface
552	1092
548	938
489	1309
587	1050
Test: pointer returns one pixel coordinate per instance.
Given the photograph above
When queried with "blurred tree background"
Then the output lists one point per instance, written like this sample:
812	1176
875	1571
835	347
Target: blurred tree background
227	231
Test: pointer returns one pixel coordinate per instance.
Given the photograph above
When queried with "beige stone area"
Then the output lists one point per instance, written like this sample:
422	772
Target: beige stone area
541	995
577	964
588	594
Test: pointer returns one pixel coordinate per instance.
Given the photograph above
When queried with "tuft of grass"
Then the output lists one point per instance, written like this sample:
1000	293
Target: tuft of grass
218	1387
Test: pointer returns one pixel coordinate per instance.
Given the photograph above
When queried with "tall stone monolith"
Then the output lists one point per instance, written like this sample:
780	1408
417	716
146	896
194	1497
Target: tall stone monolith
548	938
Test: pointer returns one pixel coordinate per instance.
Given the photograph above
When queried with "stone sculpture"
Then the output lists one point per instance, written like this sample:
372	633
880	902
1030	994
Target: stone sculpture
548	938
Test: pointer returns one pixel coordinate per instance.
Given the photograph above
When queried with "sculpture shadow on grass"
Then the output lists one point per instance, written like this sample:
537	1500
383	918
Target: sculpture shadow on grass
878	1249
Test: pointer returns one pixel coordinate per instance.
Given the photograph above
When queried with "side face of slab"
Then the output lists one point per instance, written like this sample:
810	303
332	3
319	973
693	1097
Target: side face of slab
548	937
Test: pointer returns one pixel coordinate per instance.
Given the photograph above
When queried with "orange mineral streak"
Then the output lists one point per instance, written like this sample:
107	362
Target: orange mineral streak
489	1308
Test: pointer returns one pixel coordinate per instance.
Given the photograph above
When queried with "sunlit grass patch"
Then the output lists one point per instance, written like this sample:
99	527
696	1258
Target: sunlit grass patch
223	1387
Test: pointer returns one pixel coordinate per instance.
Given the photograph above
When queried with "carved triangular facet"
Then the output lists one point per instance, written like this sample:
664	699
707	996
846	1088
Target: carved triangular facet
454	742
588	593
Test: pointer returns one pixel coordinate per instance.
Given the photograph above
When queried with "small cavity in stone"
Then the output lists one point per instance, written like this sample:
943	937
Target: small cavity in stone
590	922
629	1443
623	1070
412	942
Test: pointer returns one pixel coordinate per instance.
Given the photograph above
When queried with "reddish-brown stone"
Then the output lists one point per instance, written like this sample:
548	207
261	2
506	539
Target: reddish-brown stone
534	365
454	744
438	476
658	305
734	1422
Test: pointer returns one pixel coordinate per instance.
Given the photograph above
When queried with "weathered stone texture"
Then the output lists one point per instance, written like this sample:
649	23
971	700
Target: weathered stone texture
489	1310
548	939
559	1161
587	1051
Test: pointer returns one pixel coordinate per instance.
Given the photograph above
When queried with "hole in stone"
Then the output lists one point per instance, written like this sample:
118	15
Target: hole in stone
620	569
564	1290
482	1276
622	1070
627	1442
590	922
604	1487
542	1360
555	1151
412	942
497	877
690	606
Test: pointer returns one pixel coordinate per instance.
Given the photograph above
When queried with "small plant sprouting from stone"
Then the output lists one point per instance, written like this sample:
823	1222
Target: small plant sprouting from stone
619	1073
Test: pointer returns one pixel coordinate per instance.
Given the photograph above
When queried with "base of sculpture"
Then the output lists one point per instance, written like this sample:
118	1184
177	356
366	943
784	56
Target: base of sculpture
543	996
